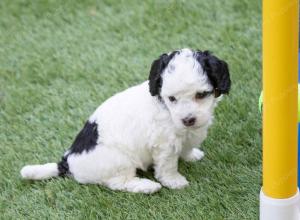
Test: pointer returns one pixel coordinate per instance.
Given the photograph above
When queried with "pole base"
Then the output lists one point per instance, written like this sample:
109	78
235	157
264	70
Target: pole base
279	209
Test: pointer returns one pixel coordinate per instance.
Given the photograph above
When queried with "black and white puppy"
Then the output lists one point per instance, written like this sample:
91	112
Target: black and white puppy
154	123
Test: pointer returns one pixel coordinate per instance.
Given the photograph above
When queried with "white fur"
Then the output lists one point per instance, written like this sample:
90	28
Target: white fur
137	130
39	172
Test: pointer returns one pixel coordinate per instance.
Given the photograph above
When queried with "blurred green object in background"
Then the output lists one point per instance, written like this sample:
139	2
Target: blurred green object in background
260	102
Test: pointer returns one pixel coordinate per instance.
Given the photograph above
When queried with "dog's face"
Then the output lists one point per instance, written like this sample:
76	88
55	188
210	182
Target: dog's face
189	83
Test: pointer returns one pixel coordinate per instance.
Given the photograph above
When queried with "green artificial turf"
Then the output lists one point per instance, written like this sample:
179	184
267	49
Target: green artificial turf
60	59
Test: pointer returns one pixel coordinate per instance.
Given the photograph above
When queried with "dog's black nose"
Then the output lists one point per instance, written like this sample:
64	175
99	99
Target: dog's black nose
189	121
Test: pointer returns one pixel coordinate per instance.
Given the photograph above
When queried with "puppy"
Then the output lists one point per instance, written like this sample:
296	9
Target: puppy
154	123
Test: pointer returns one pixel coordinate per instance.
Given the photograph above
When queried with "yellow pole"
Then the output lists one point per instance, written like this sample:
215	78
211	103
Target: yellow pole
280	71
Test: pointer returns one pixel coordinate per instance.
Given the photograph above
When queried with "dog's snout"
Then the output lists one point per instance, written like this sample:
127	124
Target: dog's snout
189	121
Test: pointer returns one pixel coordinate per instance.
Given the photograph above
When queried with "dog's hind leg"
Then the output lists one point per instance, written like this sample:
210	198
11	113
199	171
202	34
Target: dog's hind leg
111	168
133	184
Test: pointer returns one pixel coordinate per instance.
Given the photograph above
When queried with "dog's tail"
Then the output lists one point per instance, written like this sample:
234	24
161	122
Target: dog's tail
45	171
40	172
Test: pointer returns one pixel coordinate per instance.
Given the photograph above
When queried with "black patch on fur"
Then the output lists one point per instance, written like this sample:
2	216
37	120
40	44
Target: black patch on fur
63	167
157	68
216	70
86	140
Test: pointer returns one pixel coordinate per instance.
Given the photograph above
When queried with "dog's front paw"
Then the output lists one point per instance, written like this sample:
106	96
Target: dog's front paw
194	155
176	181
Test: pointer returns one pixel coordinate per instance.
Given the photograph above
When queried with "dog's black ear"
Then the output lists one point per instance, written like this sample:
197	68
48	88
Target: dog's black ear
216	70
157	68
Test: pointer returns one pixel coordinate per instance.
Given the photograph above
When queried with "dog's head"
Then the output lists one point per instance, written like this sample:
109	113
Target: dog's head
189	83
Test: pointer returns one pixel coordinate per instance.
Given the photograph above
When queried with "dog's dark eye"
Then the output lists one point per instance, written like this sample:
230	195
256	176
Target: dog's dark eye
172	99
201	95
